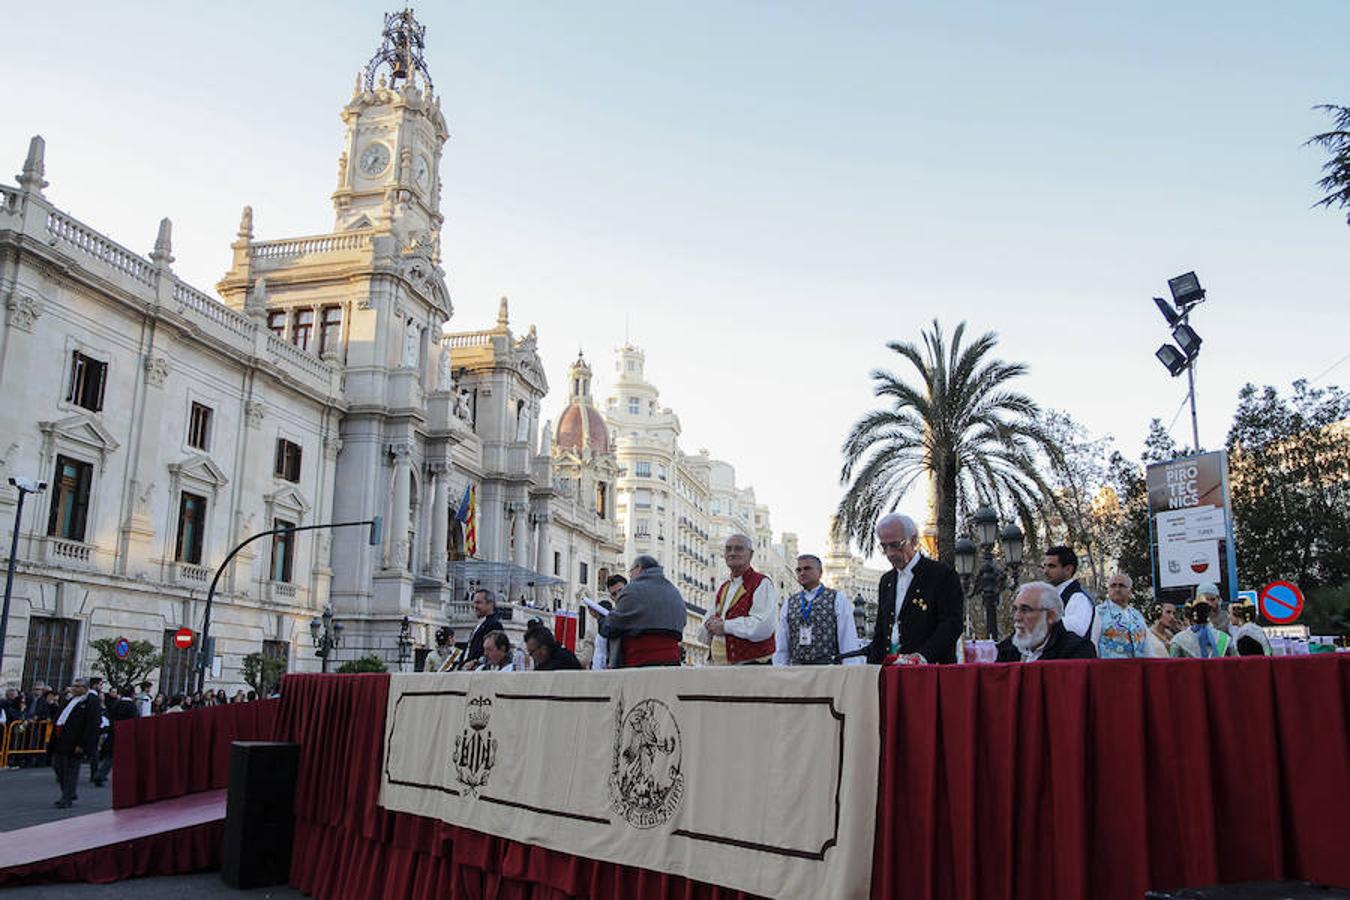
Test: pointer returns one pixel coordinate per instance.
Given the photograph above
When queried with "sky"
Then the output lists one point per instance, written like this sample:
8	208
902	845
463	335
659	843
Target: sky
761	195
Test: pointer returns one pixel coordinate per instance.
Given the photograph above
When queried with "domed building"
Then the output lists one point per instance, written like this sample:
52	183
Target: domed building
583	547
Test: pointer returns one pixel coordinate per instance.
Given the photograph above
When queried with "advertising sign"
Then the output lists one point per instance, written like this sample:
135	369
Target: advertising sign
1192	536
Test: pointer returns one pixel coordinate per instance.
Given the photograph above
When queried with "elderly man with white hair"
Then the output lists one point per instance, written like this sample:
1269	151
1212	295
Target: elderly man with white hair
919	603
1038	628
740	628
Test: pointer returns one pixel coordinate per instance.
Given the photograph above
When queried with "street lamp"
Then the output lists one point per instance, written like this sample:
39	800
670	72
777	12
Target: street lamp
404	643
1186	294
327	634
993	578
24	486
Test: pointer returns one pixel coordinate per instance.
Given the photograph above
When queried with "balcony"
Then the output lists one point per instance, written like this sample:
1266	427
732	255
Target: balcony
192	575
65	553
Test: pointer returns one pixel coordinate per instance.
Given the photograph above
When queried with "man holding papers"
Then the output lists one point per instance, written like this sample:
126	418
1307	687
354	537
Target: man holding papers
645	627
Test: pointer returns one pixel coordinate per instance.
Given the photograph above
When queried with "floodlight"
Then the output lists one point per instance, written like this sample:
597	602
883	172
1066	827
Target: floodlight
1168	312
1187	340
1186	290
1172	358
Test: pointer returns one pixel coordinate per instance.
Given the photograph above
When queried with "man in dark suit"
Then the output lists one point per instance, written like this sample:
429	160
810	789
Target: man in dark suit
75	739
547	653
485	608
1038	628
929	620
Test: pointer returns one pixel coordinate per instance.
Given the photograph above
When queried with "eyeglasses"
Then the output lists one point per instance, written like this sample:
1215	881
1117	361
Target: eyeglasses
893	545
733	548
1021	609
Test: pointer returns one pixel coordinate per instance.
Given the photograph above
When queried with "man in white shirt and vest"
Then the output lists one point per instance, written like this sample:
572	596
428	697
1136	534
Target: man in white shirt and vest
816	623
1060	567
739	629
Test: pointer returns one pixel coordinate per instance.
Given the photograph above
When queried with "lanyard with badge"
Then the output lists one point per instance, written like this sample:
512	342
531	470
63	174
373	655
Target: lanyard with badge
804	632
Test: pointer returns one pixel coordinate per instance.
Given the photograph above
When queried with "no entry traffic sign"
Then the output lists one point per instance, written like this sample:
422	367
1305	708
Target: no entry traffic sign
1281	602
182	638
122	647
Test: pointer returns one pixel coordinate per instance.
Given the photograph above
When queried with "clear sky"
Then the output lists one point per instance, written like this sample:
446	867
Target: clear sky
766	192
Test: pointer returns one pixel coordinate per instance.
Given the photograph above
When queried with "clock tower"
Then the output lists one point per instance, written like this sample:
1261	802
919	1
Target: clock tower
387	173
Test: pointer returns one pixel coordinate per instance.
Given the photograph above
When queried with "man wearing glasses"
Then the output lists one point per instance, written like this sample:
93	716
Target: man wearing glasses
928	622
1038	628
740	628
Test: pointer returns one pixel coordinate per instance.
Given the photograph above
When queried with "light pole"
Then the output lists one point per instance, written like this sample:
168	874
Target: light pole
1186	294
24	486
327	634
992	578
206	650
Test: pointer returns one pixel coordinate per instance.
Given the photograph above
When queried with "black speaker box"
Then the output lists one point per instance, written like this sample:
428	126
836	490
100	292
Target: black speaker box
1255	890
259	814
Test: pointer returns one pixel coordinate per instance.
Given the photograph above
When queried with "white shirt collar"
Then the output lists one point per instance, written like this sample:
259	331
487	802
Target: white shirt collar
909	566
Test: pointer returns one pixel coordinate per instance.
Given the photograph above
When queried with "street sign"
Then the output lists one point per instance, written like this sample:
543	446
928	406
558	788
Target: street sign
183	638
1281	602
122	647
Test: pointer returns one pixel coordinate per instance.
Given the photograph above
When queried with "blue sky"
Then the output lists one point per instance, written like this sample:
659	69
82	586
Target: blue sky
766	192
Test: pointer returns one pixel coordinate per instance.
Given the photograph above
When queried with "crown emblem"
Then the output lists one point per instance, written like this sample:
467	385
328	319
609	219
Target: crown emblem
480	710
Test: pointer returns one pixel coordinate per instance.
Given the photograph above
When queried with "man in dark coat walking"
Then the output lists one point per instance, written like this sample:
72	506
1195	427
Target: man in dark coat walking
1038	628
928	594
75	739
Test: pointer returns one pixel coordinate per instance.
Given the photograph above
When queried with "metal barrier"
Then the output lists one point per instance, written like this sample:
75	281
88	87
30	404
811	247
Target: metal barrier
24	738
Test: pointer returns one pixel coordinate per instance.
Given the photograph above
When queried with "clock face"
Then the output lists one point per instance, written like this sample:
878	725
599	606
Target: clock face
421	172
374	159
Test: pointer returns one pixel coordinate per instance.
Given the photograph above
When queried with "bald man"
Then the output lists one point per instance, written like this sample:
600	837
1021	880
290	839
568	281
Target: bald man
740	628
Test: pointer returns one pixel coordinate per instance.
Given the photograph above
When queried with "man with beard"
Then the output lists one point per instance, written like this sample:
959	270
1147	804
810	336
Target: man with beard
1038	628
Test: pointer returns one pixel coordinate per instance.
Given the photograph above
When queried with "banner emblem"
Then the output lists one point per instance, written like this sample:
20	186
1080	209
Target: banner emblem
646	781
476	749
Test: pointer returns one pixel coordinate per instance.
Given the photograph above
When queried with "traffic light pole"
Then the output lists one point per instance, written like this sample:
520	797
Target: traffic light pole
204	650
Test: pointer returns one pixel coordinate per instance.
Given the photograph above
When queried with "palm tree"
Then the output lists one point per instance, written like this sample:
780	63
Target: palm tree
1337	169
973	439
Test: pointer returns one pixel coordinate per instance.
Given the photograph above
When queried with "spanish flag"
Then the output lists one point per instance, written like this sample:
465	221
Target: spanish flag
468	514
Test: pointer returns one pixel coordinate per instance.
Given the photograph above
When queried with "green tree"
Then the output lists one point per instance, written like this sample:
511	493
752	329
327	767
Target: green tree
370	663
1336	179
125	673
1289	466
972	438
263	673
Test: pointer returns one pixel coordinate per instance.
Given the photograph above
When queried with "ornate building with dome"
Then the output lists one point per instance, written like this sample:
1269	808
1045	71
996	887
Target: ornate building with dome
323	384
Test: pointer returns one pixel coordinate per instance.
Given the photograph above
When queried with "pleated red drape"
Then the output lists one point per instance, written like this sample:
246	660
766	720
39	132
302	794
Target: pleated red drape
170	755
1104	779
348	847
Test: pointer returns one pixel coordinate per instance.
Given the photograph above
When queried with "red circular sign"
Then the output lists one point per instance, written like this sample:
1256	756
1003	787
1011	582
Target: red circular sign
182	638
1281	602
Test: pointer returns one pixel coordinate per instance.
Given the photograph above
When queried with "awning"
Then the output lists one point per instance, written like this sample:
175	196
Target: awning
500	576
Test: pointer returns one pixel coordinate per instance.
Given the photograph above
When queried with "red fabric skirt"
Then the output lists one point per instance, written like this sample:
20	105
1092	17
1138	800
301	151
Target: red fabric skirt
653	649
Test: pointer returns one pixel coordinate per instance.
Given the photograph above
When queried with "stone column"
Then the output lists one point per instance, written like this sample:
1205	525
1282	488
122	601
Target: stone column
399	549
544	555
440	518
522	520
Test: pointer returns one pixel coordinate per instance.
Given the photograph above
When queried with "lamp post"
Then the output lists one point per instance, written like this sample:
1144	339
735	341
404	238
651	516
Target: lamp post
327	634
993	578
1186	294
207	647
404	643
24	486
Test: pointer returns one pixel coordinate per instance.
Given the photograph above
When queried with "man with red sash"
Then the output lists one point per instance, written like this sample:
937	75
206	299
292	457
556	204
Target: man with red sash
740	627
646	625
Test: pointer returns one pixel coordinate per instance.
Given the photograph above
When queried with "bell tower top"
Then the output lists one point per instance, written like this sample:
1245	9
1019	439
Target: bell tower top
388	172
405	42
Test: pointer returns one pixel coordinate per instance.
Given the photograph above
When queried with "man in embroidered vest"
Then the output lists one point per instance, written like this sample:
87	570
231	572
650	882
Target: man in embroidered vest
816	623
1119	630
1202	640
1060	567
919	602
739	629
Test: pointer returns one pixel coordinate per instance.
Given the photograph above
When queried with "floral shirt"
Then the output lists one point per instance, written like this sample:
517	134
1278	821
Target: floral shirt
1120	632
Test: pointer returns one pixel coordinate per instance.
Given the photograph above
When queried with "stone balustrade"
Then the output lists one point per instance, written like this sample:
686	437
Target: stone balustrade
306	246
68	232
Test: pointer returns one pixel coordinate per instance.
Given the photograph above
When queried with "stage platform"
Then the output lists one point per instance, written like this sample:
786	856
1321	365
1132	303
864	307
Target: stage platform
166	837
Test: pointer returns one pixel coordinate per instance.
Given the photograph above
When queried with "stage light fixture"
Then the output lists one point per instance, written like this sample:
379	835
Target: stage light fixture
1168	312
1187	340
1172	358
1186	290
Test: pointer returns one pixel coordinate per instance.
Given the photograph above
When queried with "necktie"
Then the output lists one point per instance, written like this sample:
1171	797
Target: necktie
1206	641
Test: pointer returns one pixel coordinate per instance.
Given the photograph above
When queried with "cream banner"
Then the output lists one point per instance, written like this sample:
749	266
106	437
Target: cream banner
761	779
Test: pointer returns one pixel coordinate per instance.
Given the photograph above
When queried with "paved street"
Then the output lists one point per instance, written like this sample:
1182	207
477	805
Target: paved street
30	793
28	796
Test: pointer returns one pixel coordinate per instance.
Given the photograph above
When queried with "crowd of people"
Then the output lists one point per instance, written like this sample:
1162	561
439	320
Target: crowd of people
920	619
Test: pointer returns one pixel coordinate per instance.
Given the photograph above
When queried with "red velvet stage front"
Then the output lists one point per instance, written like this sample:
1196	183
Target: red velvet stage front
1062	779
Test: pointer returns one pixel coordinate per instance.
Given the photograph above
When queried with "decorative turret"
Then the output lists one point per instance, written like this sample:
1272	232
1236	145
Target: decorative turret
581	426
